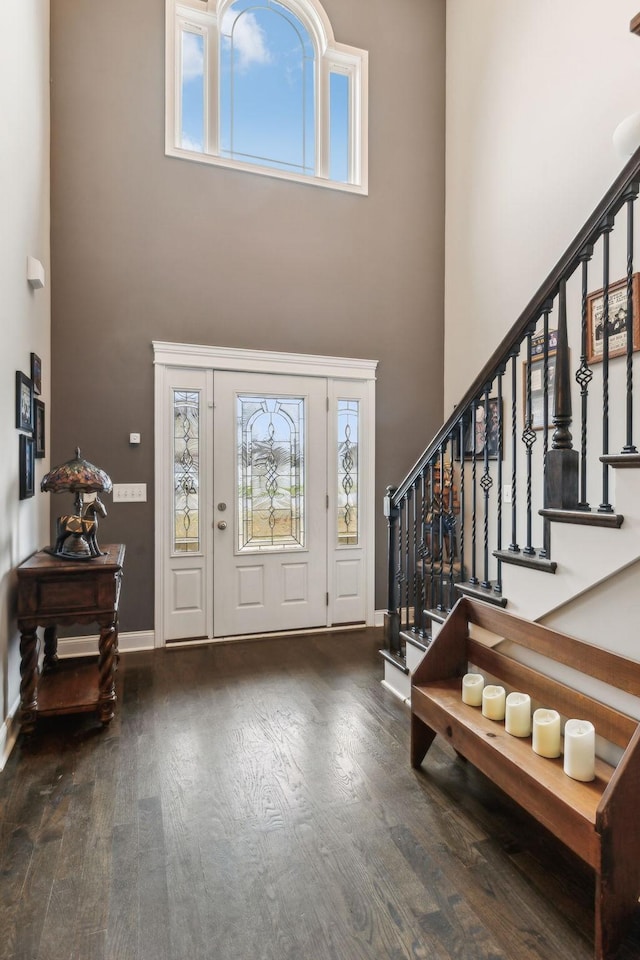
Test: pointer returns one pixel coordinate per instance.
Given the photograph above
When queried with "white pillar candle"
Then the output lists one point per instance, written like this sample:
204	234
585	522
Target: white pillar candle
472	687
518	715
493	702
546	733
579	750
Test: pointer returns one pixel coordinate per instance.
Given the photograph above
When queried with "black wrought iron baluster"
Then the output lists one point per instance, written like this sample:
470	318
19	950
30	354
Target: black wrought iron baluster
486	482
407	555
400	575
450	520
462	495
441	529
528	438
513	546
584	375
498	584
422	552
607	227
432	534
632	193
474	492
393	603
544	552
415	559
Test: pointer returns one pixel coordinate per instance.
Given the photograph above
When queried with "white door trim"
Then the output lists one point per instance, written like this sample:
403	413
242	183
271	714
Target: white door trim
209	358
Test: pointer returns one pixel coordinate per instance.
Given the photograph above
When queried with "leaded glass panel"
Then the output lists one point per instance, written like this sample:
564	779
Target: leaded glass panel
270	438
348	422
186	471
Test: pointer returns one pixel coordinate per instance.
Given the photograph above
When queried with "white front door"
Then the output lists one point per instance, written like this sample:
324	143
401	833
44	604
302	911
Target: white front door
264	492
270	503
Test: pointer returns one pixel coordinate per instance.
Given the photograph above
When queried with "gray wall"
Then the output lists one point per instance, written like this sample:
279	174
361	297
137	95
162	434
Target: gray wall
146	247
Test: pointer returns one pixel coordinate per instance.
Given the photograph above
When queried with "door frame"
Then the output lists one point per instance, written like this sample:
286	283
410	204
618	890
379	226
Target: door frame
169	356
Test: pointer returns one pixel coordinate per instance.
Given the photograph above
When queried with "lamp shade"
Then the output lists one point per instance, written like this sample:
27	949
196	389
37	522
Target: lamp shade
76	475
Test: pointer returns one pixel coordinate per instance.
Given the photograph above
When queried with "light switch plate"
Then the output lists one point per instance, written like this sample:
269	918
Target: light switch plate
129	493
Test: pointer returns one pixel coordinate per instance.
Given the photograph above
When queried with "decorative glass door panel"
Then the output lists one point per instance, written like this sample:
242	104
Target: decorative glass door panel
270	526
271	461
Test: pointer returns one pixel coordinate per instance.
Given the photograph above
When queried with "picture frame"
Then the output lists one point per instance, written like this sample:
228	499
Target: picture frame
537	380
617	319
38	428
24	402
36	373
26	467
477	422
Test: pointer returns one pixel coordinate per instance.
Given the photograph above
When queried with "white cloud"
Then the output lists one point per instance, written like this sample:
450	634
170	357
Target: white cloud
188	143
249	40
192	56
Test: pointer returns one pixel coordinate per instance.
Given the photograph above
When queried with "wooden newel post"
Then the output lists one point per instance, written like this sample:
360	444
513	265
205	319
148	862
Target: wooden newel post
392	616
561	473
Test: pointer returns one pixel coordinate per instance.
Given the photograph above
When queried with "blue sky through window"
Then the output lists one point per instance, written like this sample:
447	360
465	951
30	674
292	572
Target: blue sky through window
267	95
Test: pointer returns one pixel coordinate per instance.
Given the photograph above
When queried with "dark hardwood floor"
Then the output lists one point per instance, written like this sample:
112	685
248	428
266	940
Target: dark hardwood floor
254	801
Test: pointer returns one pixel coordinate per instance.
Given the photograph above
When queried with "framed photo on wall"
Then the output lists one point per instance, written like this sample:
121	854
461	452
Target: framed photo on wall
486	431
38	428
537	380
616	320
26	467
36	373
24	402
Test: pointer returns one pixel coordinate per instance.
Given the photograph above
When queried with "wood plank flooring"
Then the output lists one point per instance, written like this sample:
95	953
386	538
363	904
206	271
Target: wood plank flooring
255	801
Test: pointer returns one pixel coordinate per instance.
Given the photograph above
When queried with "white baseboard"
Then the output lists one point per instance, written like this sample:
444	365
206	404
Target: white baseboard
378	618
88	646
9	733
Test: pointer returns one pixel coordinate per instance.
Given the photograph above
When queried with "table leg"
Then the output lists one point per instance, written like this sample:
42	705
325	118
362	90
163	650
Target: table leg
108	651
28	679
50	649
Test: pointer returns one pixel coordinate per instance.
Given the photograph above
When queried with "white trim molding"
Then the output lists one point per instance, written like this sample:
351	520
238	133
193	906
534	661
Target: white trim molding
9	733
88	646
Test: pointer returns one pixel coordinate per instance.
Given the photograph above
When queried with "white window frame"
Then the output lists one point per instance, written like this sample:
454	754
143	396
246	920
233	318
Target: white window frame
203	17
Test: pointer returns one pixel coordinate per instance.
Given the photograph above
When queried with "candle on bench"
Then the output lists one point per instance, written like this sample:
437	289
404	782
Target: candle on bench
493	702
518	715
472	687
546	733
579	750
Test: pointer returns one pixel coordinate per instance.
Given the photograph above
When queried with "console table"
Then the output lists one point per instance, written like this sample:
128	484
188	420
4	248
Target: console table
56	592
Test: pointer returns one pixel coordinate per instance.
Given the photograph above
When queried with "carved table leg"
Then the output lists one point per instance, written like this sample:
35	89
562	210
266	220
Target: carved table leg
108	647
50	649
28	679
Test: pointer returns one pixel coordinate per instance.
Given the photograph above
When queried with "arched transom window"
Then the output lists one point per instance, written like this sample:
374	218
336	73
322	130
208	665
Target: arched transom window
261	85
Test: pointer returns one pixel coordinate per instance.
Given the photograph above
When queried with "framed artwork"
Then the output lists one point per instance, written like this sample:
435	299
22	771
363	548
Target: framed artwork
537	380
24	402
484	432
616	320
26	467
36	373
38	428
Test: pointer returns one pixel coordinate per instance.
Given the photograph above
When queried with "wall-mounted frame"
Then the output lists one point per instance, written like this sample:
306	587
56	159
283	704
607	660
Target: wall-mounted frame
26	470
38	428
36	373
537	380
24	402
490	434
617	320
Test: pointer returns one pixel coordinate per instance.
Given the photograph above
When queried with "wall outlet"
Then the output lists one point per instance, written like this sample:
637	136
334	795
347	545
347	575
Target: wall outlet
506	493
129	493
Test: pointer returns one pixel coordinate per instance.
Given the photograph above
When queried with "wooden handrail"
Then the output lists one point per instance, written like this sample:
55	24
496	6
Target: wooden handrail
586	237
635	25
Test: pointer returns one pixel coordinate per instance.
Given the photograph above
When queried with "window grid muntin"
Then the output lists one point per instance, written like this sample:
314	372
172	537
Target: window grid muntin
348	472
251	412
186	471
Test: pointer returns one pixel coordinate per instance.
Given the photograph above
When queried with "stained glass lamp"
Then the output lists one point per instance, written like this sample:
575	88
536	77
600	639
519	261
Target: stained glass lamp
76	533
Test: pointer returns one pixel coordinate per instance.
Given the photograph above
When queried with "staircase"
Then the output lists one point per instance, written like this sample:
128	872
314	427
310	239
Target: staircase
522	498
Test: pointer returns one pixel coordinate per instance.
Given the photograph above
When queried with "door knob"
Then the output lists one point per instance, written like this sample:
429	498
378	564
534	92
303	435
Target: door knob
222	524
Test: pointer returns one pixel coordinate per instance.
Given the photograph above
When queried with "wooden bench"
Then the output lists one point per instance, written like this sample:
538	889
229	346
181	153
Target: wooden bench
597	820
